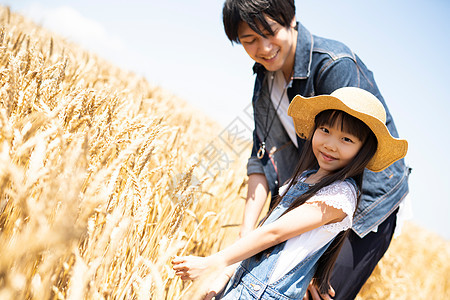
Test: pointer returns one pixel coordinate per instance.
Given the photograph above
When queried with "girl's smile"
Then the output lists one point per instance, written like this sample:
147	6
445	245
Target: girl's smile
327	157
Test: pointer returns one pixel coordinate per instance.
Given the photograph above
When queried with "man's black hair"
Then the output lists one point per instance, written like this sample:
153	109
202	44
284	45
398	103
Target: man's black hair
253	12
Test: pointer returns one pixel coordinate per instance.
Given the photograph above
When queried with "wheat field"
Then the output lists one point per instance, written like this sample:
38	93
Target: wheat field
104	177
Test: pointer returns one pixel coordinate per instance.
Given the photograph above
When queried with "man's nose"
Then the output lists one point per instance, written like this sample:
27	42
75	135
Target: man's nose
265	45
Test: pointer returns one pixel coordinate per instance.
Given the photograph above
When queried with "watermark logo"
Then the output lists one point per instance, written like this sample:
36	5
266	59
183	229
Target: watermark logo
230	144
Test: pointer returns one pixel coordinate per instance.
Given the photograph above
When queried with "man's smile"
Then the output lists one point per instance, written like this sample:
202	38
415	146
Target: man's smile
271	56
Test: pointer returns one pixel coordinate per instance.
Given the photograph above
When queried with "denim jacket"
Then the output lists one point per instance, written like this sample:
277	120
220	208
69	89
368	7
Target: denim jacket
322	66
251	280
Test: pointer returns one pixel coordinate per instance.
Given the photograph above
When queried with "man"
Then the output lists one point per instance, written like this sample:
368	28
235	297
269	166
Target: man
290	61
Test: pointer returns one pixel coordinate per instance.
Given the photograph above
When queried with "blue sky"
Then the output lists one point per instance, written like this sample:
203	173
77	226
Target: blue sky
180	45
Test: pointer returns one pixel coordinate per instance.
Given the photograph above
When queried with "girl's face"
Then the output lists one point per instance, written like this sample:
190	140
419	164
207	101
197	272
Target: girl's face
333	148
275	52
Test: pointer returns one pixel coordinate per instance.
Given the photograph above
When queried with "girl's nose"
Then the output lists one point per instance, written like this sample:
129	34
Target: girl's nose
329	145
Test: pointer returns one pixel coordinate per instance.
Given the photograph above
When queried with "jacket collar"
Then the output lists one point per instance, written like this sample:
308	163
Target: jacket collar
303	54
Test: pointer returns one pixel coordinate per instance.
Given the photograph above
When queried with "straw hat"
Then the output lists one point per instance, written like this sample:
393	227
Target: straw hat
360	104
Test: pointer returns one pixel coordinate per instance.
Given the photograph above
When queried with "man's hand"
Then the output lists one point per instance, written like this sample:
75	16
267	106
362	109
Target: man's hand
216	286
244	231
313	293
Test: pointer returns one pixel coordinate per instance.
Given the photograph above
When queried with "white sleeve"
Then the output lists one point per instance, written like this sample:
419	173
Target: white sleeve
340	195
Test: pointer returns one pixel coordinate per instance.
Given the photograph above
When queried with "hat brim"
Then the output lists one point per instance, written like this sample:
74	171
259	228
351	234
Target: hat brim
304	110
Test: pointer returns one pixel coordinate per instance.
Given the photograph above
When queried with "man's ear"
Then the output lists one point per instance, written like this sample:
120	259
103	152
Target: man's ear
293	22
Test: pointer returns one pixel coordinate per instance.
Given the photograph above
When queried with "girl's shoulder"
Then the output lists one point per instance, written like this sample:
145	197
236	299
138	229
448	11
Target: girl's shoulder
339	194
346	187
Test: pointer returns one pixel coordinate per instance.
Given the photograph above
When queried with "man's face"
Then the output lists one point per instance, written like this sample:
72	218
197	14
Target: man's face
275	52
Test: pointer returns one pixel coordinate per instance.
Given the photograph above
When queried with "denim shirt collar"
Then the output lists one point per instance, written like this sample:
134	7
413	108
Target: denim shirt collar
303	54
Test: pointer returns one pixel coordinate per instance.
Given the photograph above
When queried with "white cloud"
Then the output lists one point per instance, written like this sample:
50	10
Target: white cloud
68	22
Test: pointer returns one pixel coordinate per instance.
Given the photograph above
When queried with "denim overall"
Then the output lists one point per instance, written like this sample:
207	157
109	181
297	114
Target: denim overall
250	280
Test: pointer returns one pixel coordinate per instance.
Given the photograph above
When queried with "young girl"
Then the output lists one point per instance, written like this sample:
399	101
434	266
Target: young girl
301	237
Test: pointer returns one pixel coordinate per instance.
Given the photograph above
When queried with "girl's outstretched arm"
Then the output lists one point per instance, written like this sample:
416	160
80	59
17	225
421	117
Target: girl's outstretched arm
299	220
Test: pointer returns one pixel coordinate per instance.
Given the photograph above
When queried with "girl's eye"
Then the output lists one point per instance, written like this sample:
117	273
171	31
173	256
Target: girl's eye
348	140
324	129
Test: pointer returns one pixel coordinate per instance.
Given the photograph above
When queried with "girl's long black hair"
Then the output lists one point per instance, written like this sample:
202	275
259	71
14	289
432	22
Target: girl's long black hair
354	169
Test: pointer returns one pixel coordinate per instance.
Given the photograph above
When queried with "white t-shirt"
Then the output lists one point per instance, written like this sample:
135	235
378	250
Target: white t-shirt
280	99
341	195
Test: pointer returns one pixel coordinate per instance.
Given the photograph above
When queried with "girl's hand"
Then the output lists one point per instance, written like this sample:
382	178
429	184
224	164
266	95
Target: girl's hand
190	267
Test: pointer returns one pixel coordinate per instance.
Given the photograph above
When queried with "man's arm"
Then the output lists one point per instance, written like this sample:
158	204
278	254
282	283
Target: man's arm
257	192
